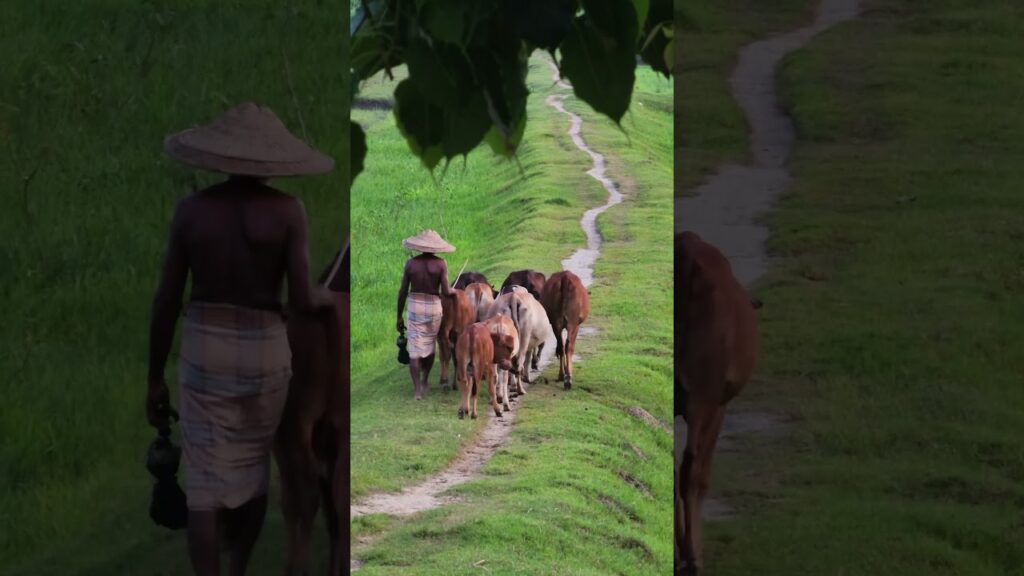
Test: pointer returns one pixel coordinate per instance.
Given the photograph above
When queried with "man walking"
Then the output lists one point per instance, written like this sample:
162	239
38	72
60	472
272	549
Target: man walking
427	276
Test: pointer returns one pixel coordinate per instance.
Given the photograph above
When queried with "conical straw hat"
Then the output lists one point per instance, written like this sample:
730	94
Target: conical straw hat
428	241
248	140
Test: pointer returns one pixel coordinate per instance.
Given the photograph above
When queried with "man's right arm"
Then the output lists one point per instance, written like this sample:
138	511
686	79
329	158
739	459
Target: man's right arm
403	293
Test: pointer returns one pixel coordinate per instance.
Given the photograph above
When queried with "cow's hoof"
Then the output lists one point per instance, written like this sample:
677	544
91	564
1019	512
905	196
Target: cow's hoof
561	378
473	417
497	413
462	415
500	400
507	408
568	384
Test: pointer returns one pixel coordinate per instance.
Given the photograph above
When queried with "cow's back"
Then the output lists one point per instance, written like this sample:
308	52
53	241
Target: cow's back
467	278
456	312
532	280
502	324
565	299
480	298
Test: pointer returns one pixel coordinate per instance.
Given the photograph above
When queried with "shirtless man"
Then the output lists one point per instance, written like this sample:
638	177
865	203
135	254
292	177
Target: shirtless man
427	276
240	240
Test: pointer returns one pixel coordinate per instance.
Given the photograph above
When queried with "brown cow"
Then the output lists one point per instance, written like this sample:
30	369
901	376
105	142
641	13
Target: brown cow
457	313
311	441
716	352
467	278
479	353
481	296
567	303
534	282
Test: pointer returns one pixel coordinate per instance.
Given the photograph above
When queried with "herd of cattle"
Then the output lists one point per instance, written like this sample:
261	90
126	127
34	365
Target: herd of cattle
498	335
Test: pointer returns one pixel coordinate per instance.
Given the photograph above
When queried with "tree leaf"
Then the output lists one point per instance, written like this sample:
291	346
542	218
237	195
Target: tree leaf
357	143
441	72
542	23
641	7
657	34
599	56
434	132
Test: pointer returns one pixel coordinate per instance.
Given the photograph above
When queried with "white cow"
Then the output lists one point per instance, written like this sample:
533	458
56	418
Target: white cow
532	323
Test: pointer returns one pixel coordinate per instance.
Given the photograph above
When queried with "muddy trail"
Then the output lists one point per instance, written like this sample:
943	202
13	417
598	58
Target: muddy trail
433	492
726	209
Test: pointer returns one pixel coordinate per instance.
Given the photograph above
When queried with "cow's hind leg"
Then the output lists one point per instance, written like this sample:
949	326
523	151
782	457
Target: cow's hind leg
704	422
560	354
447	353
463	380
568	351
474	391
536	357
491	374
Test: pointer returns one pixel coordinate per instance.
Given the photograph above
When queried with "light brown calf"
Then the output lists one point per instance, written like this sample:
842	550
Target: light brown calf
503	325
716	352
478	353
567	303
457	314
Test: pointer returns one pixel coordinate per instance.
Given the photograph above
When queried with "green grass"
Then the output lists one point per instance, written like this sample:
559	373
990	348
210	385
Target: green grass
892	328
711	127
88	90
558	498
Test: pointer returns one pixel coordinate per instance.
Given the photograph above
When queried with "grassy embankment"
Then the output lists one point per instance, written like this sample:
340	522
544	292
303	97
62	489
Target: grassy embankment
892	326
581	487
88	90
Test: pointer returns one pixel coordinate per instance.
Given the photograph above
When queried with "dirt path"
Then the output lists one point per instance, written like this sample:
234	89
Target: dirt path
432	492
726	208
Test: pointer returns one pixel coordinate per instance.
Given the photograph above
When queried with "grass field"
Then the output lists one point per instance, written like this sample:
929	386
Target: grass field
892	324
88	90
558	498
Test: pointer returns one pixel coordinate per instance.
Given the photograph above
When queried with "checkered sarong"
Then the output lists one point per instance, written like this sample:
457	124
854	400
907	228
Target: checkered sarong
233	374
423	322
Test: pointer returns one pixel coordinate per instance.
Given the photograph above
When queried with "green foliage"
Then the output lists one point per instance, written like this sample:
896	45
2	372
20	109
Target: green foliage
467	62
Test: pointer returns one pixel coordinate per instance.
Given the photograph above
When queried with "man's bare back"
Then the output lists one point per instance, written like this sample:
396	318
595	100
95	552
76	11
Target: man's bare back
236	236
426	272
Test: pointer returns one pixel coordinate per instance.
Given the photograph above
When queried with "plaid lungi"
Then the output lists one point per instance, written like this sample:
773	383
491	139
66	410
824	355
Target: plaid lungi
423	322
233	374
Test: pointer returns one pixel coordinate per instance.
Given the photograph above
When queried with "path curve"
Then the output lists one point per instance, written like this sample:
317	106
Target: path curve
725	209
432	492
581	262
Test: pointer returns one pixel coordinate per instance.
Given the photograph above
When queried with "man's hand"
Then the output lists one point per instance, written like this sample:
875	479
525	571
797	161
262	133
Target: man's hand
158	403
400	325
324	297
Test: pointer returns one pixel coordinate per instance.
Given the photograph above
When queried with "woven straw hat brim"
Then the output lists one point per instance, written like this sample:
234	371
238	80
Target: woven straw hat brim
248	140
428	241
429	248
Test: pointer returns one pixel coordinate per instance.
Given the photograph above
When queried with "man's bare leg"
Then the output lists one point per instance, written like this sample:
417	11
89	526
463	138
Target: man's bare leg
204	541
414	371
245	523
426	364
